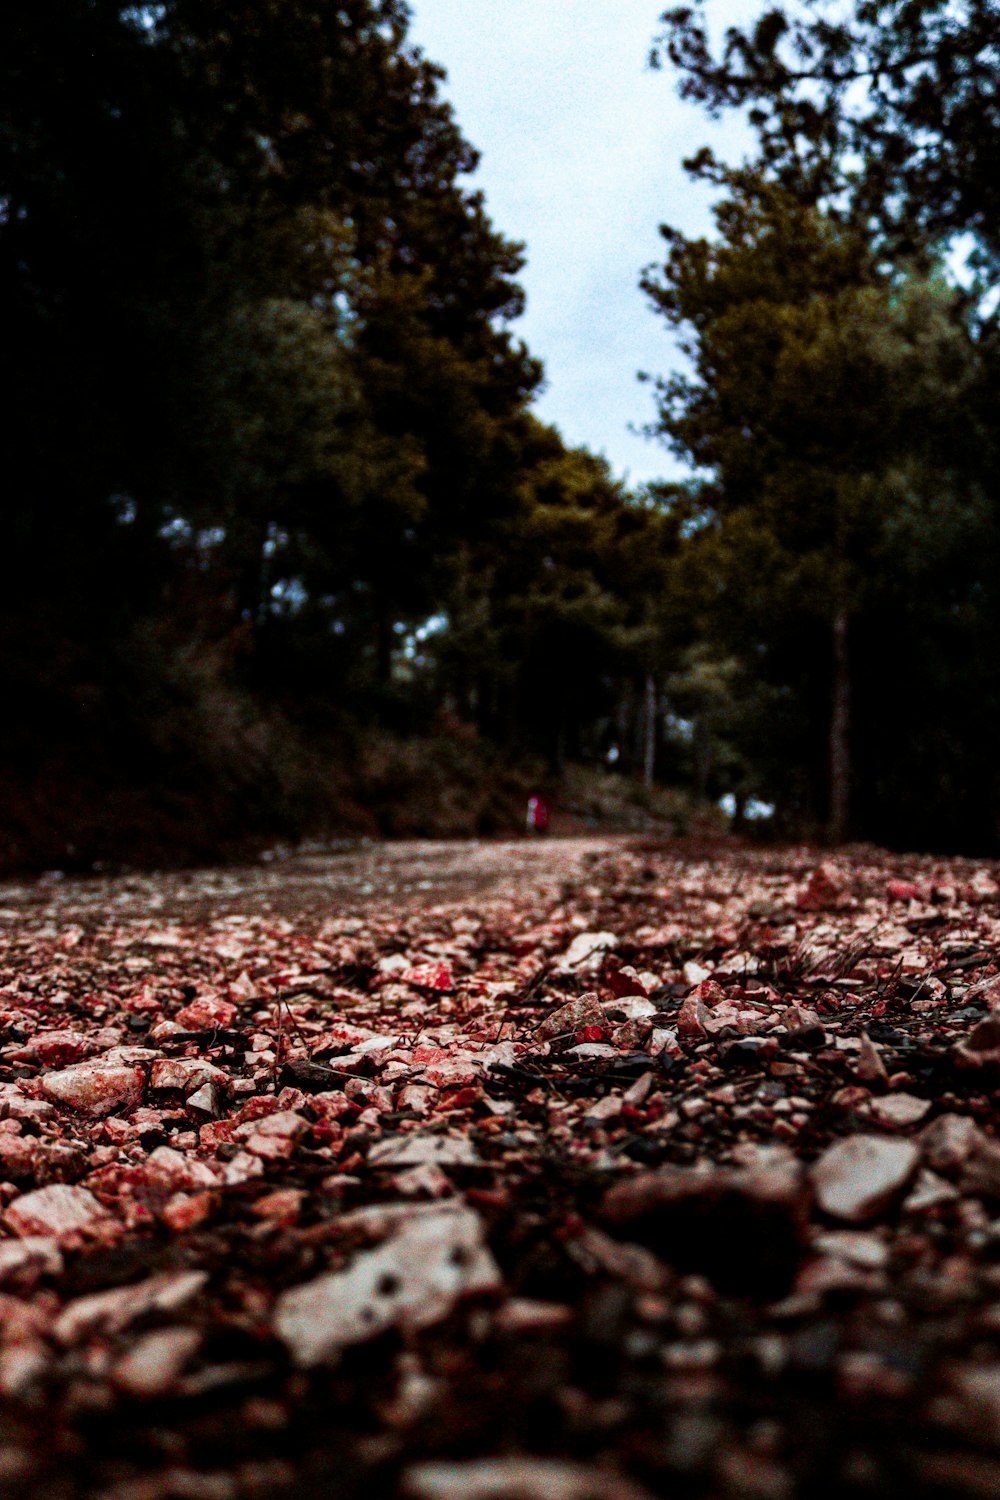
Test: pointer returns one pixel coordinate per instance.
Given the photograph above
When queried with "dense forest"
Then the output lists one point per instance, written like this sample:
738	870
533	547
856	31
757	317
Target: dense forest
287	550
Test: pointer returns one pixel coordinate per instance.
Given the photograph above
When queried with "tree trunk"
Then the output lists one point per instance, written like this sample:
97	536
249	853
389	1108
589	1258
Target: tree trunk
383	647
840	754
649	748
704	754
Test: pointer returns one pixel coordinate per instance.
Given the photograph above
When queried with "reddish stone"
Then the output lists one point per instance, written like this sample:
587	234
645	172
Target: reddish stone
573	1017
57	1049
285	1124
17	1156
187	1211
281	1207
185	1073
96	1088
430	977
692	1016
827	886
206	1013
903	890
56	1210
622	982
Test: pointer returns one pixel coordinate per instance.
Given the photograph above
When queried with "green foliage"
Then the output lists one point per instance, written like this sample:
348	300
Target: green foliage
895	100
272	478
837	406
267	407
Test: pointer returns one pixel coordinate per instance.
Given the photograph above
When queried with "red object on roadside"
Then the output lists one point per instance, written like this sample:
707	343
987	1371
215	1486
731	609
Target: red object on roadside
538	814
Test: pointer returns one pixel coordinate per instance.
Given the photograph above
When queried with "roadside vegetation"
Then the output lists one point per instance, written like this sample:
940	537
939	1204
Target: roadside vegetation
287	547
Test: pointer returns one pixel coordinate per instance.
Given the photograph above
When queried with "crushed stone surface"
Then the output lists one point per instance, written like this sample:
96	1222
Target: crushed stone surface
589	1168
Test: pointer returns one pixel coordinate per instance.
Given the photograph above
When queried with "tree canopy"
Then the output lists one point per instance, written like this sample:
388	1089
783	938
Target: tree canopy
837	403
275	485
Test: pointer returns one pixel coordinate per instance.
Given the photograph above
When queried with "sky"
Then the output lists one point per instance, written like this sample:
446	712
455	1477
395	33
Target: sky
581	149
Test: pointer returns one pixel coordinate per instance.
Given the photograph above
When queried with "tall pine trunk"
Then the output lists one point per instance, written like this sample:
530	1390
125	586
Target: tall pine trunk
649	748
384	641
840	721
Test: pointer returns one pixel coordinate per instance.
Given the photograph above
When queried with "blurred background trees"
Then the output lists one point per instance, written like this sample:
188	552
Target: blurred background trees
838	405
275	494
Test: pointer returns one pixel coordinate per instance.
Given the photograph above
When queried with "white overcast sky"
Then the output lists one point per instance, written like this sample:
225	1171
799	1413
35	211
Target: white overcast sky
581	160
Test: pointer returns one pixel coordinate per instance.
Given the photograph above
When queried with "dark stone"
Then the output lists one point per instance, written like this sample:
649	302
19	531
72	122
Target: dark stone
114	1266
748	1052
647	1152
312	1078
632	1066
804	1039
742	1230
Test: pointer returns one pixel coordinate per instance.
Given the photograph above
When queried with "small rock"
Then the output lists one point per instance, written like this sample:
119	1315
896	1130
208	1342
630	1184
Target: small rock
284	1124
981	1170
568	1019
586	953
860	1249
393	965
826	886
625	982
419	1150
39	1255
207	1013
904	890
208	1100
947	1141
185	1073
154	1362
516	1478
742	1228
663	1042
870	1068
795	1017
604	1110
178	1169
691	1018
639	1092
859	1177
981	1048
426	1179
185	1211
709	992
53	1211
526	1315
412	1281
434	977
986	991
22	1365
283	1206
94	1088
632	1007
18	1154
897	1111
113	1310
928	1191
58	1049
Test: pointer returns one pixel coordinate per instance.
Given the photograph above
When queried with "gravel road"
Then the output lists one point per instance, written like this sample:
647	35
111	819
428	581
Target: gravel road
348	879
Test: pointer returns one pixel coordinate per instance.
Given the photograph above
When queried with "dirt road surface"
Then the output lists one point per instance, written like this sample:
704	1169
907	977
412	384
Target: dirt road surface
349	879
